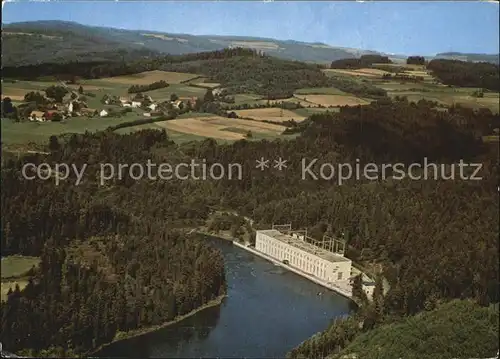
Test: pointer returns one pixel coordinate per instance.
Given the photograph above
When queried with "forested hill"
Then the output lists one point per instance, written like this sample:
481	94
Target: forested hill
54	41
492	58
112	259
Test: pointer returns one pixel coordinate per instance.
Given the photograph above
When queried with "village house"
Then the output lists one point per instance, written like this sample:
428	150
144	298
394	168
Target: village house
103	113
153	106
53	115
146	114
177	104
37	116
127	104
136	104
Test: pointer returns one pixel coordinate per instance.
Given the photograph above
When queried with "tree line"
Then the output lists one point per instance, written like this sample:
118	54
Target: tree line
466	74
361	62
152	86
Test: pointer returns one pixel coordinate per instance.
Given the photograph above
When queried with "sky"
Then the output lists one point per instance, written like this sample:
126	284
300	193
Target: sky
407	28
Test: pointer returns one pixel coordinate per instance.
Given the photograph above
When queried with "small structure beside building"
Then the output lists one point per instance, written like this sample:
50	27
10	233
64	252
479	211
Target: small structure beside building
153	106
103	113
146	114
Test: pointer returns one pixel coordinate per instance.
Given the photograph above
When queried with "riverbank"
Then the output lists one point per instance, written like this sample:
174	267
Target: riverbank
342	291
222	235
122	336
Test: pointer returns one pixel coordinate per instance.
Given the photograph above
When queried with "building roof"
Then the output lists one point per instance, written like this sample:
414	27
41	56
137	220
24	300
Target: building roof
37	113
305	246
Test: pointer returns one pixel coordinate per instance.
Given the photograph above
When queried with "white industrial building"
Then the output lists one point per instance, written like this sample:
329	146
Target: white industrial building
297	250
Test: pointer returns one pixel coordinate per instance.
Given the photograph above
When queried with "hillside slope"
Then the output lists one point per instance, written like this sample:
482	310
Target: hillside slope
459	329
54	40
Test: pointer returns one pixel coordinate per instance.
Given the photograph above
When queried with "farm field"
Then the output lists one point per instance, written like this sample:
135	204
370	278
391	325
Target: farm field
490	100
336	100
319	91
270	114
410	67
148	77
361	72
221	127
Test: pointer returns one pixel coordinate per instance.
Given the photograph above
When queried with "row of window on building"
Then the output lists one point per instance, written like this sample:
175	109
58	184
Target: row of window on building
296	257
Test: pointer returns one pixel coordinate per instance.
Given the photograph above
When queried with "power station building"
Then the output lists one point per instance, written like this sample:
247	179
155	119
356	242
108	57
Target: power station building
297	250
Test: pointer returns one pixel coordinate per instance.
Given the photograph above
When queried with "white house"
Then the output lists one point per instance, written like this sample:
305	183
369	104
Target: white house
136	104
177	104
70	107
103	113
153	106
146	114
37	116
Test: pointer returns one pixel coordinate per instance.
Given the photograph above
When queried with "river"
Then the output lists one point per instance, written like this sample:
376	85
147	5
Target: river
268	312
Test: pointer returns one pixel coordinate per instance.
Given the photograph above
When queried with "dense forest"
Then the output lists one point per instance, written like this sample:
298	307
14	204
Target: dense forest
458	329
363	61
103	270
436	239
467	74
415	60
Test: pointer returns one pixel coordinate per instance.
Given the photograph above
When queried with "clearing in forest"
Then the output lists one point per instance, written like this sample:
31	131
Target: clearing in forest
273	114
148	77
220	127
335	100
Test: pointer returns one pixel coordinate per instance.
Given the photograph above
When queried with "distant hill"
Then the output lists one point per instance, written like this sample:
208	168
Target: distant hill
493	58
27	43
50	41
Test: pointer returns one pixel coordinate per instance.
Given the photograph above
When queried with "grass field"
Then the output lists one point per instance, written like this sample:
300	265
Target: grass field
39	132
208	85
220	127
16	266
14	269
270	114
